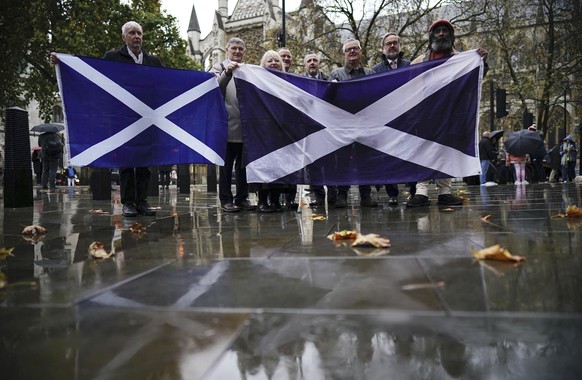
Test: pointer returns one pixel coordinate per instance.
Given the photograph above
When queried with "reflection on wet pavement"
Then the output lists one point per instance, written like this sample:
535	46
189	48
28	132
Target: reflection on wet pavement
202	294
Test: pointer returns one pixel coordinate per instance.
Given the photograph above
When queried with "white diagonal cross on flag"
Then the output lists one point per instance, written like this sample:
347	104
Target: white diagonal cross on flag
368	126
149	116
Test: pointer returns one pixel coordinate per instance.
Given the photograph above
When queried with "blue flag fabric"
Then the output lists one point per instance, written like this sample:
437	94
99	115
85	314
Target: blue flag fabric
124	115
405	125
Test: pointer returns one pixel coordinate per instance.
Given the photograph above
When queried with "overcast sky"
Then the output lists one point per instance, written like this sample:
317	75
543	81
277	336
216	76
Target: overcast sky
182	9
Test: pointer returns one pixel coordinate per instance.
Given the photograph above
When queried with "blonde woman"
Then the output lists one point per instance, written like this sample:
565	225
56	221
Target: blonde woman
269	192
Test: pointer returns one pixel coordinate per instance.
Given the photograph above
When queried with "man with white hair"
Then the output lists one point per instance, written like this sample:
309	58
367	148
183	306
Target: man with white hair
235	51
133	181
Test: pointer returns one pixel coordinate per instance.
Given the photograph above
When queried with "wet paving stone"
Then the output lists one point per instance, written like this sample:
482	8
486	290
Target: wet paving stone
208	295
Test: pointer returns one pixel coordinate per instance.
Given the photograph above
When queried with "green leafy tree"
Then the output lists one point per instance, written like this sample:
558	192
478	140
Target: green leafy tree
535	49
30	31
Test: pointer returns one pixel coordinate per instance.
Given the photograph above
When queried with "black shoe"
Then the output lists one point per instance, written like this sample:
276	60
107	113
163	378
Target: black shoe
449	200
368	202
144	209
229	207
418	201
341	202
264	208
246	205
129	210
393	201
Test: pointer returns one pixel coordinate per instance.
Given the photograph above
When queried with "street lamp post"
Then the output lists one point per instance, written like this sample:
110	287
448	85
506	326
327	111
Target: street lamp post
283	25
566	87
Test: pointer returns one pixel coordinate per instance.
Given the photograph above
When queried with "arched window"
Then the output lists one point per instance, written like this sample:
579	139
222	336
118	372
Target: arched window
58	116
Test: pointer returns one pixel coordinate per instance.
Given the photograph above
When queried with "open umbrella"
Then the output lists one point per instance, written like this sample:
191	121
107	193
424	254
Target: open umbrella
497	134
48	127
523	142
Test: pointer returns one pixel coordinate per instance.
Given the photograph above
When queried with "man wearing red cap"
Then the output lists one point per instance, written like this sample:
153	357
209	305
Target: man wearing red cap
441	41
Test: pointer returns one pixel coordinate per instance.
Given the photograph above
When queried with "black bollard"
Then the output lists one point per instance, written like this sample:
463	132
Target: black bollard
154	185
101	184
17	160
184	178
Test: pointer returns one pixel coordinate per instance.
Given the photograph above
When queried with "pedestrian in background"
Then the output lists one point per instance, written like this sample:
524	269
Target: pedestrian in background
71	175
568	152
51	144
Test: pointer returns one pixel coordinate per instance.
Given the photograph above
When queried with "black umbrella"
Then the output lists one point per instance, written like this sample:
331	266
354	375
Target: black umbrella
48	127
497	134
523	142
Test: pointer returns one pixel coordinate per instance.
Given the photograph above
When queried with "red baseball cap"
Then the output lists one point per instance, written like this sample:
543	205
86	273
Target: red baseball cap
442	21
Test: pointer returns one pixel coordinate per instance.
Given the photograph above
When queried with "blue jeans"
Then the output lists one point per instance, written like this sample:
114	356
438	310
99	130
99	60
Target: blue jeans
484	168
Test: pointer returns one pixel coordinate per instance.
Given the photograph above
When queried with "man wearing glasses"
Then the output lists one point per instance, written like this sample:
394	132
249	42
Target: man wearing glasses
352	69
392	60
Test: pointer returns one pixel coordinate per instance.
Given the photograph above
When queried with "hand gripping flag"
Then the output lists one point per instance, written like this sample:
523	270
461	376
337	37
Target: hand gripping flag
405	125
124	115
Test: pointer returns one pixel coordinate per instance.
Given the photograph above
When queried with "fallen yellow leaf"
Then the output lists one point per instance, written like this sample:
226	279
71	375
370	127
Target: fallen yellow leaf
485	218
5	252
496	252
343	235
317	217
573	212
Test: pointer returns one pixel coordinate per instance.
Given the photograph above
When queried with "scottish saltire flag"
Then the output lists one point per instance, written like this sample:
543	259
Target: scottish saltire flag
126	115
405	125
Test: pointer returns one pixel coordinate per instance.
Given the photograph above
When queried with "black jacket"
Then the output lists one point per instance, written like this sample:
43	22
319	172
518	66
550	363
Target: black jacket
122	55
487	151
384	66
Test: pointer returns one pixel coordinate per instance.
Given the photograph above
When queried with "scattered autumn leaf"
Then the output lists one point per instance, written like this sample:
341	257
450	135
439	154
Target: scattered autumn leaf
34	230
448	209
317	217
343	235
97	250
3	281
5	252
485	218
496	252
574	212
371	240
137	228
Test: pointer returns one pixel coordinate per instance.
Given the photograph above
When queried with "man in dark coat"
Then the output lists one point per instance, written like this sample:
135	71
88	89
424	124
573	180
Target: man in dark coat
311	64
391	54
487	153
391	60
134	181
51	144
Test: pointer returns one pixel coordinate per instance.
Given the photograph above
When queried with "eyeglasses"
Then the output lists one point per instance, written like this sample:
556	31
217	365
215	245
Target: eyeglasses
391	43
354	48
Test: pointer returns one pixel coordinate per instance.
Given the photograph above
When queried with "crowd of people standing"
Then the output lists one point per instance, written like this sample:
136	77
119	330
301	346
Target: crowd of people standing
273	197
